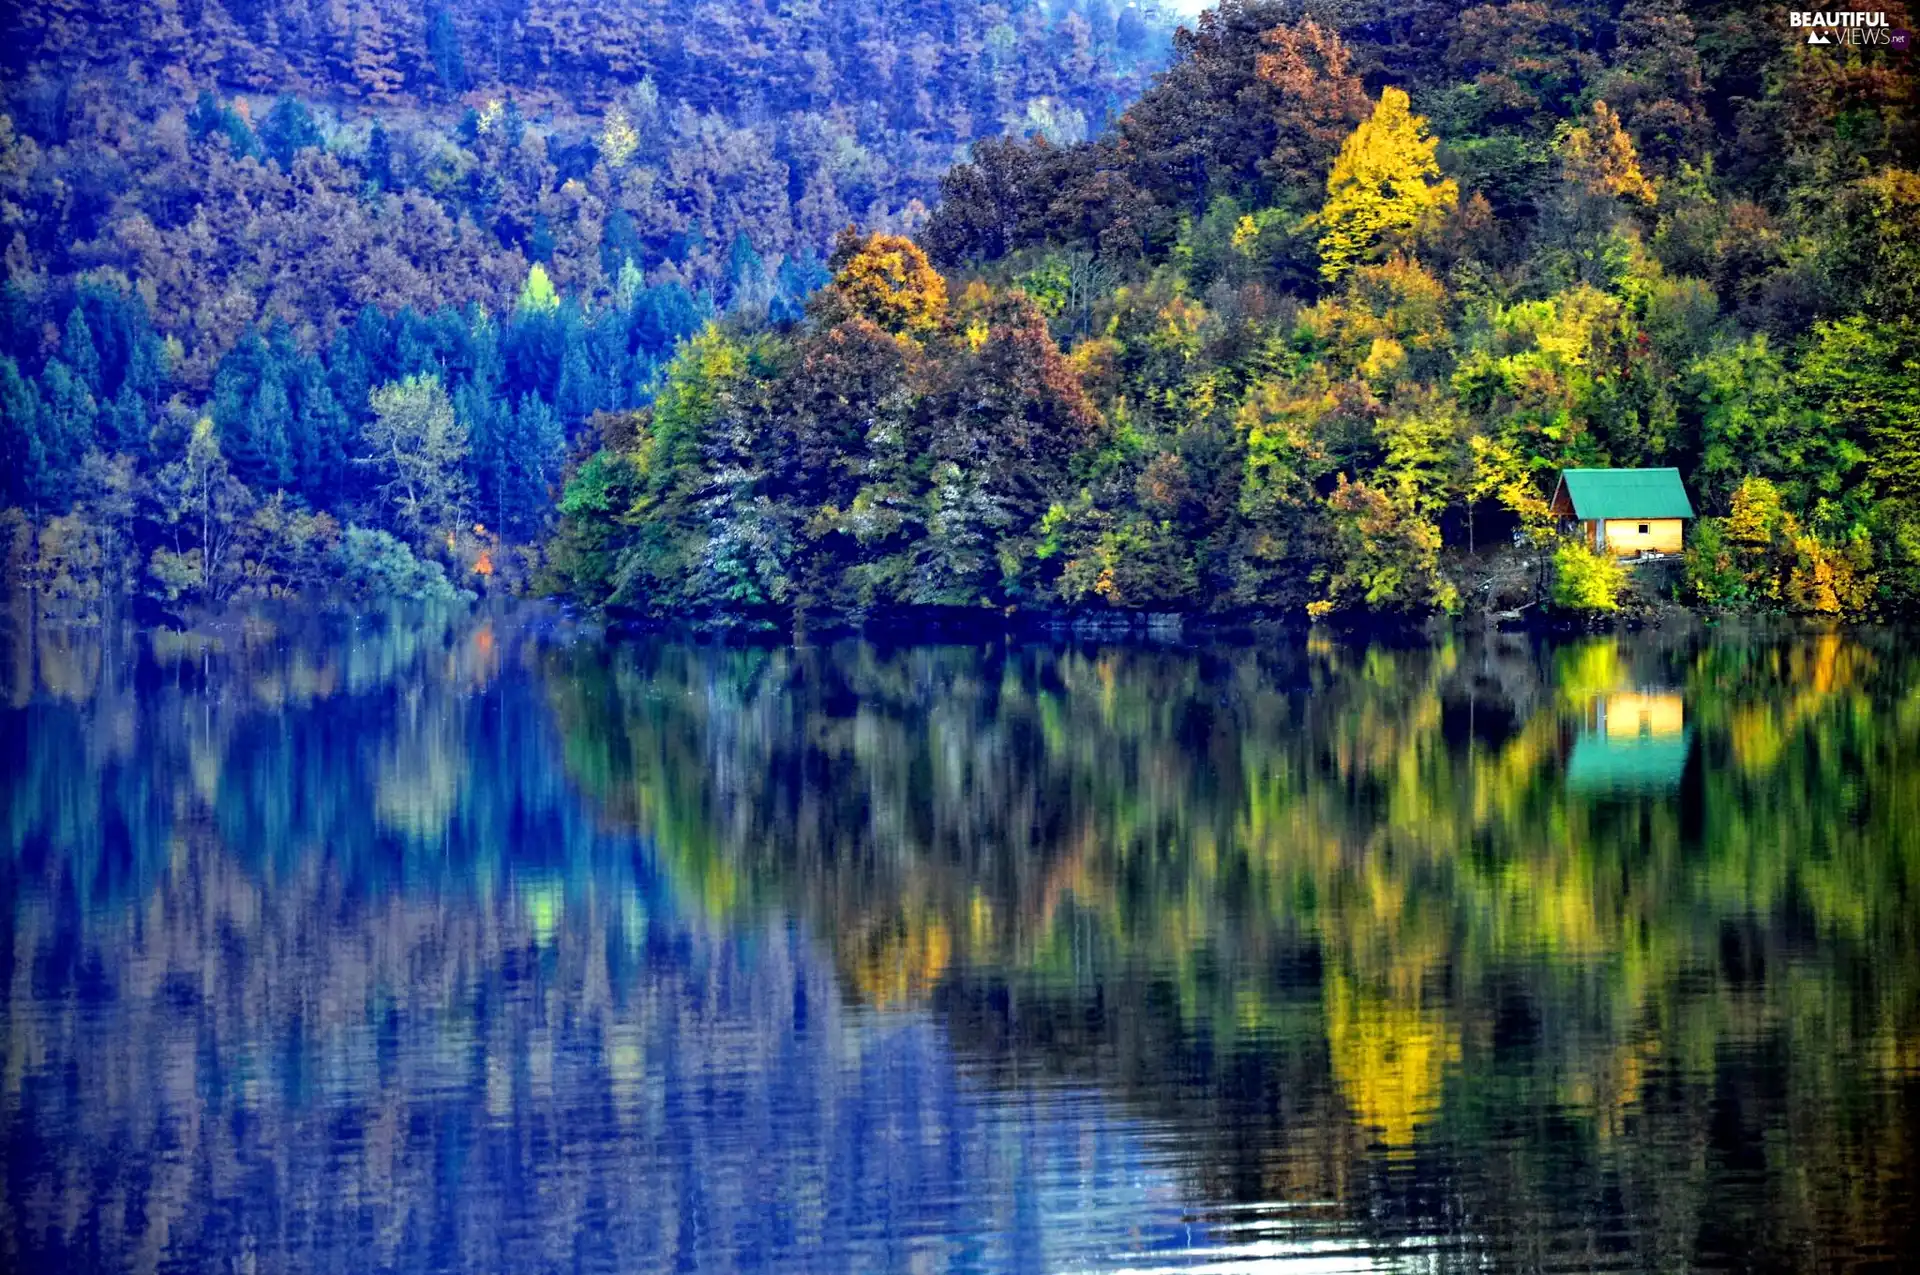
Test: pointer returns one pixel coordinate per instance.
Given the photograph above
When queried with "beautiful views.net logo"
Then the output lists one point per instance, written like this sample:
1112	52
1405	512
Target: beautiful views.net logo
1848	27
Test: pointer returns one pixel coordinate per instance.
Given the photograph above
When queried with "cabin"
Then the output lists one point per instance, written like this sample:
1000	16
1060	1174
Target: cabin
1629	513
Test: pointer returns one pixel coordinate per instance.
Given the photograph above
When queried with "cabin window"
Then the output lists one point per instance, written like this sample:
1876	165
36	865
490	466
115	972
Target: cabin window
1643	528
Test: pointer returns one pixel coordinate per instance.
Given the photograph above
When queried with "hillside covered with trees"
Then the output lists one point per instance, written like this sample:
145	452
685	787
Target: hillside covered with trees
1320	320
501	218
350	294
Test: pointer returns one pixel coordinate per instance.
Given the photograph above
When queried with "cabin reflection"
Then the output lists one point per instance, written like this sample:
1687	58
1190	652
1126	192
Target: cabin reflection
1631	742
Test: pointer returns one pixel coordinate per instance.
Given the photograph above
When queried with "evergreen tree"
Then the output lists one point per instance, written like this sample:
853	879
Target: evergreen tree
68	422
578	394
23	454
535	457
379	166
443	46
268	436
321	436
288	130
123	423
79	352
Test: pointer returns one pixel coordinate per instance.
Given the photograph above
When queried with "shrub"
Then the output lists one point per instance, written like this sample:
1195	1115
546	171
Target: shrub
1713	570
1584	580
375	566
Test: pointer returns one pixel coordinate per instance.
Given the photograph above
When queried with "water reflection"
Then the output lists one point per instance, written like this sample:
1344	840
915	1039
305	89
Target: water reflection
448	943
1632	741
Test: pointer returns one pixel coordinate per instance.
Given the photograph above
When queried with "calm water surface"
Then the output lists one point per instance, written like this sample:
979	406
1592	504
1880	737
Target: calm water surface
461	944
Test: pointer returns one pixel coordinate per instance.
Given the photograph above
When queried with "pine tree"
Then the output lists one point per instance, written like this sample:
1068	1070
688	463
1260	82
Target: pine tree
539	444
68	423
321	435
269	422
578	395
443	46
123	423
23	456
289	129
379	164
78	350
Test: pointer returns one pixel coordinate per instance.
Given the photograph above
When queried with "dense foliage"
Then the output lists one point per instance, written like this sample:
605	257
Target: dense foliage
259	215
295	160
1320	318
446	431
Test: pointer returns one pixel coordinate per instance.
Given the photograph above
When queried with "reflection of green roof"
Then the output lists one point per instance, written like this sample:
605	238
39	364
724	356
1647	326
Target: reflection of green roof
1647	765
1625	493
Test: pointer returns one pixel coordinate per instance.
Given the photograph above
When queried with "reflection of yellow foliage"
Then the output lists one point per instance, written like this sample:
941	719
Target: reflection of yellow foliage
980	921
418	781
1818	670
1612	1087
898	961
1757	738
1589	669
1390	1058
1895	1054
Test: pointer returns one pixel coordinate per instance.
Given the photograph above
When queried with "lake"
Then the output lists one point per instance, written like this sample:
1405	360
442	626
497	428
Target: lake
452	943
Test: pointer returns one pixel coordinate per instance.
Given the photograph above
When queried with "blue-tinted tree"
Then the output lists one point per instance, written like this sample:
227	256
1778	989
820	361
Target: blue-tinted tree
288	130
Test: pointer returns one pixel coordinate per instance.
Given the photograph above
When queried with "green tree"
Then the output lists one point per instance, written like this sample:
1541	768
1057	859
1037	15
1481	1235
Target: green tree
1713	572
288	130
1864	376
1382	556
373	566
24	469
78	350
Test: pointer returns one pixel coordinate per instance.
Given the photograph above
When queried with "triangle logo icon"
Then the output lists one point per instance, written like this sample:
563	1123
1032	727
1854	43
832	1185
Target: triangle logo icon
1814	37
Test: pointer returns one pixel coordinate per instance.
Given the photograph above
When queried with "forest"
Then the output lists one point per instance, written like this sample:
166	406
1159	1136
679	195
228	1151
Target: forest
1308	328
504	217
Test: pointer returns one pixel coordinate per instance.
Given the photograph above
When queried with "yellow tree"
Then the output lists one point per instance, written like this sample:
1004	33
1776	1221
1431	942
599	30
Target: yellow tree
1598	157
618	139
888	281
538	296
1382	186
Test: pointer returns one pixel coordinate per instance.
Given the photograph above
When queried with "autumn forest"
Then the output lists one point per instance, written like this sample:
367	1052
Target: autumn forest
959	636
746	312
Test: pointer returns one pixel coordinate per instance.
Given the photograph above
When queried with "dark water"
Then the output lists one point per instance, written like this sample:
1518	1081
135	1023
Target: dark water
460	945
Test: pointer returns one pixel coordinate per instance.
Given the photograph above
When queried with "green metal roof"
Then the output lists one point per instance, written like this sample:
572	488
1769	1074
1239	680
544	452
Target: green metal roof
1626	493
